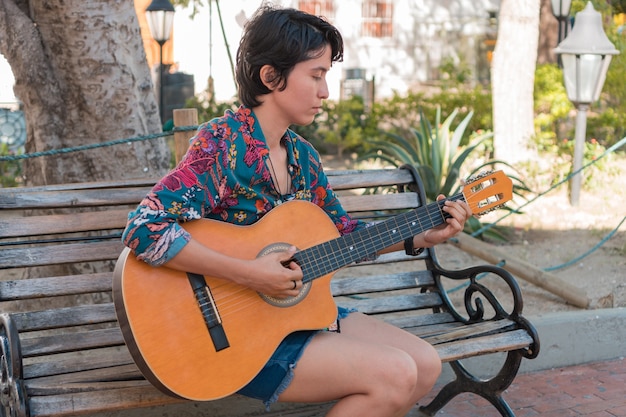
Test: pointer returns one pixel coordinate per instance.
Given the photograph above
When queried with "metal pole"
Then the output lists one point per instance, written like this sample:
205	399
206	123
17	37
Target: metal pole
161	111
579	149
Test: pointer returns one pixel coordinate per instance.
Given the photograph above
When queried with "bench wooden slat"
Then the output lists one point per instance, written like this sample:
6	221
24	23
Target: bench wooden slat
65	317
67	342
22	199
88	185
25	289
63	223
377	283
355	179
111	400
369	203
420	321
391	303
64	363
471	331
49	385
89	386
502	342
61	254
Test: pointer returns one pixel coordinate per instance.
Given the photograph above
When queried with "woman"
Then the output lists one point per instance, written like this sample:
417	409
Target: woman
240	166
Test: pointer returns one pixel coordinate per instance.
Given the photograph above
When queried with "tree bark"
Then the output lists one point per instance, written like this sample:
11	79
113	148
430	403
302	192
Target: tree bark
548	34
512	77
81	73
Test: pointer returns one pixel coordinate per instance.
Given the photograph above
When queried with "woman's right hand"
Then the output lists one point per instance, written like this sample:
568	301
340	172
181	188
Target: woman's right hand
275	274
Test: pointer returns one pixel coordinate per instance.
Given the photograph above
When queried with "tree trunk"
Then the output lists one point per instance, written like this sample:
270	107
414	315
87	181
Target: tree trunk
512	78
81	73
548	34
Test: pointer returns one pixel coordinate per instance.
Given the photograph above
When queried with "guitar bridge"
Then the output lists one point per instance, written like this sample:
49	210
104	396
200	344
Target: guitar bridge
209	311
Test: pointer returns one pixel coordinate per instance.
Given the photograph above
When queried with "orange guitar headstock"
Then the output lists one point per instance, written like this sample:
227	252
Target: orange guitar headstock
487	191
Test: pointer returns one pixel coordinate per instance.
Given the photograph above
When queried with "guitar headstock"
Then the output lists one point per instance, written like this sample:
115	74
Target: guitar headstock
487	191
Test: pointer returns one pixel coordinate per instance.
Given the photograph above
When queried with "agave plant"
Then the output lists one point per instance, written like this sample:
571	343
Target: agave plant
437	152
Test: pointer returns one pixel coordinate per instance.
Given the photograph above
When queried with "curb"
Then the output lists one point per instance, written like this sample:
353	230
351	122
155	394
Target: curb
567	339
578	337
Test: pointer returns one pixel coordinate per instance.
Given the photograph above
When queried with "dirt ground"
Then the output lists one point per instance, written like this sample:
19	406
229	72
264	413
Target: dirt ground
579	245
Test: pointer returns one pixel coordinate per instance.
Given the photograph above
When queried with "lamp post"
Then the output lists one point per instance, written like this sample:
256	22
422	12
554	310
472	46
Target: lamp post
160	16
586	54
560	10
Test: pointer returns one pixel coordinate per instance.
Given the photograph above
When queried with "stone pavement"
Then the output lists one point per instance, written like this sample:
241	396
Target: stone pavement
591	390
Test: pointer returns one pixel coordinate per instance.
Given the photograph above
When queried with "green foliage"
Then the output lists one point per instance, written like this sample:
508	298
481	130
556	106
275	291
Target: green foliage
347	124
436	151
404	111
454	73
10	171
341	126
592	150
552	107
602	6
549	92
610	124
619	6
209	109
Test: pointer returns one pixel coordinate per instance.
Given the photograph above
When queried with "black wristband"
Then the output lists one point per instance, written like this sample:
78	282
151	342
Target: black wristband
410	249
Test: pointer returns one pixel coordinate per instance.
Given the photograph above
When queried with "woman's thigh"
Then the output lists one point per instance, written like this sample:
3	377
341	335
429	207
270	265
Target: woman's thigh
365	353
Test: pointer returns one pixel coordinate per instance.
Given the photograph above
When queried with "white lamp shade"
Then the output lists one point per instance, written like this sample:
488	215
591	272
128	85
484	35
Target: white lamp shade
586	55
561	8
584	76
160	23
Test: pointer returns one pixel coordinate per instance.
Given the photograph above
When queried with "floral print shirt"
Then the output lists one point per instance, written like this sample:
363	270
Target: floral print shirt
225	176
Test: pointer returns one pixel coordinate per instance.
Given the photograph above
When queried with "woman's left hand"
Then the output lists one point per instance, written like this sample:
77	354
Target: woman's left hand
459	212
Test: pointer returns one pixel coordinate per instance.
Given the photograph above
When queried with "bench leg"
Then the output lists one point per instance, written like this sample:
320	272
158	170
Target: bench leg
490	389
12	392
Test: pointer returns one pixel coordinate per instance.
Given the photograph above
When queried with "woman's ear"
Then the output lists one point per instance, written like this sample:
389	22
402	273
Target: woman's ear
268	76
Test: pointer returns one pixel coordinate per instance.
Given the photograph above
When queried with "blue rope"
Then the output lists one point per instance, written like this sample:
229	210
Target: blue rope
557	267
96	145
590	251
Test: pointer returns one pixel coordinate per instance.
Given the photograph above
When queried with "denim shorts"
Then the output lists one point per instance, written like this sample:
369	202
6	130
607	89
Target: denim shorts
277	373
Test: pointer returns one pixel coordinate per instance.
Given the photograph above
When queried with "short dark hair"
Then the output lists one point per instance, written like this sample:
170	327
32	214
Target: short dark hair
280	38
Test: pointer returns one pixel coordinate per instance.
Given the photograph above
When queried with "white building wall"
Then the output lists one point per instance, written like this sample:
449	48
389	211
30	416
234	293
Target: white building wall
424	33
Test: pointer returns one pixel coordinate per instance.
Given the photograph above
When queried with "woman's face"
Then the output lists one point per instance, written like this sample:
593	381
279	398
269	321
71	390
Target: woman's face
306	88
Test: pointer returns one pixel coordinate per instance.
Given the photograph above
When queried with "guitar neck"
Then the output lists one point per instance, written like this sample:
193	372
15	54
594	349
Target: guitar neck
330	256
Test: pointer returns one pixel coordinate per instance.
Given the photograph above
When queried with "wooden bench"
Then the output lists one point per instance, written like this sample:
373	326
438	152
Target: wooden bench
63	353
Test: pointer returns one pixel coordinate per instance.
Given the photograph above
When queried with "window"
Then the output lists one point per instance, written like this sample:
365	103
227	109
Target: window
317	7
377	18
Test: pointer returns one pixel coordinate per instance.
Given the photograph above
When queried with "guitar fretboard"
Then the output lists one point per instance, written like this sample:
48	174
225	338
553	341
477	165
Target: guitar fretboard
330	256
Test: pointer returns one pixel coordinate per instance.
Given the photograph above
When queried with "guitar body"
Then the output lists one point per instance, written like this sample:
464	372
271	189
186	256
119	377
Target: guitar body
166	332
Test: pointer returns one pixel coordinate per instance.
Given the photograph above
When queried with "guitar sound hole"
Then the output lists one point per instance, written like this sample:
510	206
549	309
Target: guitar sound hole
289	301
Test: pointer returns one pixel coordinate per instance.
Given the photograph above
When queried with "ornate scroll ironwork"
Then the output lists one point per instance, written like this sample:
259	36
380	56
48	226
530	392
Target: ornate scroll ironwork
12	392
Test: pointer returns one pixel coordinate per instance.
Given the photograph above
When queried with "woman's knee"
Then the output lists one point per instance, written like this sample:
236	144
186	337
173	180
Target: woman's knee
400	380
429	368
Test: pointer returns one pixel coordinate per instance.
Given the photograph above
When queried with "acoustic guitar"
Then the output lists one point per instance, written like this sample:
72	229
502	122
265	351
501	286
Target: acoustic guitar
203	338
